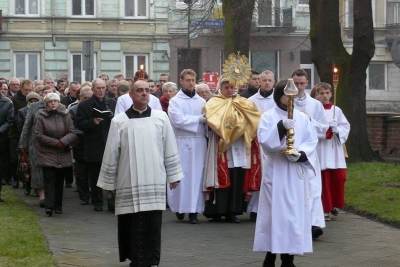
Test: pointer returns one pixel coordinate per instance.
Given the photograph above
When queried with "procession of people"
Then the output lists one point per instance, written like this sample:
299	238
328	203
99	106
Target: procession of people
143	147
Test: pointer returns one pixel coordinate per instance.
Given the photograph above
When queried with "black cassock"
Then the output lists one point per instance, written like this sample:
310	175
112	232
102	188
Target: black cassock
139	234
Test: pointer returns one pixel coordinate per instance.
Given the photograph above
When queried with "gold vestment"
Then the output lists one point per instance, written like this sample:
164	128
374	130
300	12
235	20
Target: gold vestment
231	118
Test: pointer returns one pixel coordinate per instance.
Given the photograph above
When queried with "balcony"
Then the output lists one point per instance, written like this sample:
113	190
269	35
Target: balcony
273	20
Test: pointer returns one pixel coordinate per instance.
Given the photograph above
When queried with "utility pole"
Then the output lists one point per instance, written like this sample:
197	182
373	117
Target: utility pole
189	4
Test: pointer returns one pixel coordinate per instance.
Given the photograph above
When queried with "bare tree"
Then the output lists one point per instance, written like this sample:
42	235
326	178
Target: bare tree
238	17
327	49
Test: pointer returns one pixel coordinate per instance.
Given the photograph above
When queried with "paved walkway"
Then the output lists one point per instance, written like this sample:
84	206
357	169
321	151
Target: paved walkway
82	237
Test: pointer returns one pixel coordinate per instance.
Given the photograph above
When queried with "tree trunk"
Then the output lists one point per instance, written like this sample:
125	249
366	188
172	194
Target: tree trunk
238	17
327	49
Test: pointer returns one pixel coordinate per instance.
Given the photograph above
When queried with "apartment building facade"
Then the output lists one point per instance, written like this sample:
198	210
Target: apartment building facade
79	39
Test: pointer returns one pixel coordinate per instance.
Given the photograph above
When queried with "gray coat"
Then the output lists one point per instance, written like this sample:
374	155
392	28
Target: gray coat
27	141
6	115
52	128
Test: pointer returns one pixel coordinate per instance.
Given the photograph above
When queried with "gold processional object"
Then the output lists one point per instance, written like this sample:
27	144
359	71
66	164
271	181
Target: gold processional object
290	91
237	70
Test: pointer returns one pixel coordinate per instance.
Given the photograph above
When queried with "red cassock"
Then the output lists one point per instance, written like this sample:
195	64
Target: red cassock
333	181
252	178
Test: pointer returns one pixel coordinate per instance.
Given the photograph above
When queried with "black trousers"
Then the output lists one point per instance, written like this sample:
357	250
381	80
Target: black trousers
93	171
69	176
228	201
4	159
13	159
82	180
139	238
53	186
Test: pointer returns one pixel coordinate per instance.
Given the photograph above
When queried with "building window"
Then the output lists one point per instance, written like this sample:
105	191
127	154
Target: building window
307	65
304	2
76	67
393	12
27	66
136	8
80	68
133	63
26	7
264	60
265	13
83	7
377	73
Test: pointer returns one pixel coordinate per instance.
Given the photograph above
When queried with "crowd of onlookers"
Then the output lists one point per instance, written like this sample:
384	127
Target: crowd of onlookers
51	135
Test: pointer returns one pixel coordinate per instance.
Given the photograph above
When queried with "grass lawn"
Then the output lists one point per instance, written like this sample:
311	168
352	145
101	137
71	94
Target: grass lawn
373	189
21	240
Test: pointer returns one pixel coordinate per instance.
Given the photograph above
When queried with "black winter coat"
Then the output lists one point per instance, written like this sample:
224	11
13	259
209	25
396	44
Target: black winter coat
94	136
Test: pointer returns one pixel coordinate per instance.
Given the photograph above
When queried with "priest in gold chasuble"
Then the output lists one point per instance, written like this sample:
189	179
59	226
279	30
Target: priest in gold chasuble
232	122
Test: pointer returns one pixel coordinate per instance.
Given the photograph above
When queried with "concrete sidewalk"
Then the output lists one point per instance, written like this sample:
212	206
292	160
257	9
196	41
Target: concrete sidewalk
82	237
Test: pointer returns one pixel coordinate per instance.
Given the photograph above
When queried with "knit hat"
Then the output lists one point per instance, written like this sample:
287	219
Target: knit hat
51	96
33	95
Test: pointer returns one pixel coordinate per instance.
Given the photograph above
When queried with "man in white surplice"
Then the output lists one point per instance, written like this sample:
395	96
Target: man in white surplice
186	114
140	157
315	111
284	216
264	101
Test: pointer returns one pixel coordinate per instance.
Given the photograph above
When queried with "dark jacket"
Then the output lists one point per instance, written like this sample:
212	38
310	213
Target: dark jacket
250	91
53	128
20	118
6	116
78	149
67	100
19	101
94	136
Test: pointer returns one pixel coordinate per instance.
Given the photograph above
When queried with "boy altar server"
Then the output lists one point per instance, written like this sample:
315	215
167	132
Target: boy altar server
331	152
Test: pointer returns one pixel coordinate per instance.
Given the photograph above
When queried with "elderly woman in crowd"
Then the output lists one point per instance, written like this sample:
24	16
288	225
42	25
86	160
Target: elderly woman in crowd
169	90
204	91
4	89
54	133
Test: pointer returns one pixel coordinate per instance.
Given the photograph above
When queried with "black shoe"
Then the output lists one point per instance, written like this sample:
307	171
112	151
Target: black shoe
180	216
269	260
287	260
58	211
316	232
84	202
253	216
335	212
98	208
193	218
41	203
68	185
232	219
49	212
215	219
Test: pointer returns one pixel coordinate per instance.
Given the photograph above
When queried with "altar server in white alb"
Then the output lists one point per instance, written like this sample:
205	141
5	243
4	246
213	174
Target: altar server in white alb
315	111
140	158
331	153
284	216
264	101
186	114
124	102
